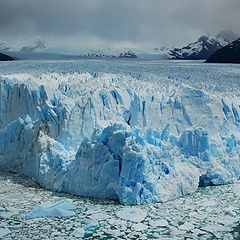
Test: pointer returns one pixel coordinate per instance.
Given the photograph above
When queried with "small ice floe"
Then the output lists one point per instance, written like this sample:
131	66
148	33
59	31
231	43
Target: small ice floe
159	223
8	212
59	209
132	214
79	233
90	227
86	229
4	232
139	227
99	216
3	210
186	226
237	189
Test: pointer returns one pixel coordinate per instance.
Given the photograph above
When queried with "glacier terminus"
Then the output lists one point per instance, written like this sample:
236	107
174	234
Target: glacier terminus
116	136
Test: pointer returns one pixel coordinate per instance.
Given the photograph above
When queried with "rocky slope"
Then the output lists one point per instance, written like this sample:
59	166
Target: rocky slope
228	54
4	57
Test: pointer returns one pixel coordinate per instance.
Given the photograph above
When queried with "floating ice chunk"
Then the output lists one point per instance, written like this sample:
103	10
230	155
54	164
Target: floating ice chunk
159	223
186	226
3	209
99	216
79	233
4	232
132	214
8	212
216	228
90	227
139	227
209	203
237	189
58	209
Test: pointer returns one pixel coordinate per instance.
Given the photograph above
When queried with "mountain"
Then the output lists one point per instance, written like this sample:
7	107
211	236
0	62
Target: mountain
128	54
204	47
228	54
4	57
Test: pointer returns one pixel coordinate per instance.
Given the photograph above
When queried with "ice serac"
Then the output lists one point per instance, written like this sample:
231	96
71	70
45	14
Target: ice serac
17	142
115	137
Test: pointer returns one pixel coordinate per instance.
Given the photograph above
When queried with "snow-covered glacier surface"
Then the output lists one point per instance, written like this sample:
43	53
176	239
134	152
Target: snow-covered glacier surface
109	135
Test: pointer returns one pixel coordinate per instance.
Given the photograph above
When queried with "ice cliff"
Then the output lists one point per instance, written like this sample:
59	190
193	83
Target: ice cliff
112	136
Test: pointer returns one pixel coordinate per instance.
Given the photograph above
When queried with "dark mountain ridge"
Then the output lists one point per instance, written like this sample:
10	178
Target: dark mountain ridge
227	54
4	57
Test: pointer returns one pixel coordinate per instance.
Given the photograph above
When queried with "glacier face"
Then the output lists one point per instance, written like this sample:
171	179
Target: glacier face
112	136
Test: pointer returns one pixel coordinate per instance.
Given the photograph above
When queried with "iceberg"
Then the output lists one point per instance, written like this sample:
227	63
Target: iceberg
114	137
59	209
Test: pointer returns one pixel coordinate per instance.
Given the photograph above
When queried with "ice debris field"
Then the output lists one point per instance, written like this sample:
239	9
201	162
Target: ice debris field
115	136
28	211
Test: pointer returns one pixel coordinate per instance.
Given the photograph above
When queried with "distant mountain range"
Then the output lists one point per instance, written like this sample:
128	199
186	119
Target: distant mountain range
201	49
227	54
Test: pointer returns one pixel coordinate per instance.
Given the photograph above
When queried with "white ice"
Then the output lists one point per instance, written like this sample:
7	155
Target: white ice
112	136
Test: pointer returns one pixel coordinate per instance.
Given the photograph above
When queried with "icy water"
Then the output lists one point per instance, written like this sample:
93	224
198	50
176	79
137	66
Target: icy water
210	213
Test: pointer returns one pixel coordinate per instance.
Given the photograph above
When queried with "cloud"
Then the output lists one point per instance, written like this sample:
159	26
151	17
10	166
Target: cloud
37	45
140	23
3	47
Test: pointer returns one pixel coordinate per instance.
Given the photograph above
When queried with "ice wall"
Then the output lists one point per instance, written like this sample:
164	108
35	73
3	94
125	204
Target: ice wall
111	136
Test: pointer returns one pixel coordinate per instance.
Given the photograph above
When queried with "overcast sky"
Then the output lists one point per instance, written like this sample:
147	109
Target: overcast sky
79	24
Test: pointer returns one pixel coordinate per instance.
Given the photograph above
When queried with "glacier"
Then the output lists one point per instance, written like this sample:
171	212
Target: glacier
112	136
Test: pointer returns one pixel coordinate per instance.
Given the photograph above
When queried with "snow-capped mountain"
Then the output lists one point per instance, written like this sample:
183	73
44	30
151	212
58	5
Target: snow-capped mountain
227	54
110	54
115	53
201	49
204	47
